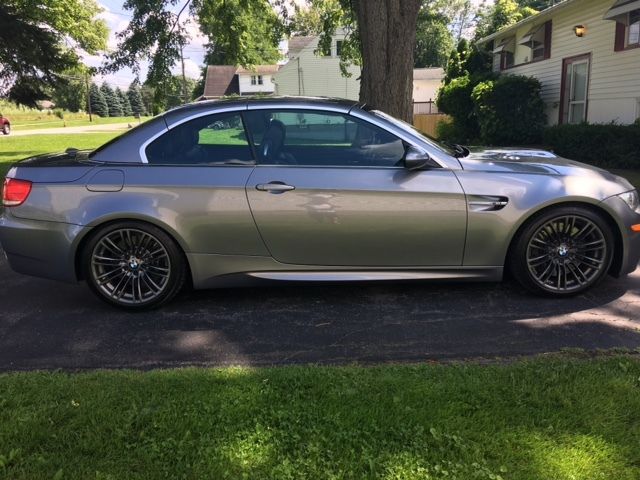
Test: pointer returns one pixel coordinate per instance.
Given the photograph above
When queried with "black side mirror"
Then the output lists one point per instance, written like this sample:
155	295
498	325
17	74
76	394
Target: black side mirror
416	159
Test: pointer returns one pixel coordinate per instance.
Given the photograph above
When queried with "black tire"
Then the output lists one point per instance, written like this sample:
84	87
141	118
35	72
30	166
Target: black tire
562	252
6	129
133	265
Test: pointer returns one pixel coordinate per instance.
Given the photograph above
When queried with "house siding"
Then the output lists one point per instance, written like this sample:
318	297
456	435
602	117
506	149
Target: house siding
614	84
313	75
244	81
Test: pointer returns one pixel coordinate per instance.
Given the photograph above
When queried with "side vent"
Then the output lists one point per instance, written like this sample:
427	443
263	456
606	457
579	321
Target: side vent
485	203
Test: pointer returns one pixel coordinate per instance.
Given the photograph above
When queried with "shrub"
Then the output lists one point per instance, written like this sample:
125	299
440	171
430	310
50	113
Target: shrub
58	112
455	100
509	110
608	145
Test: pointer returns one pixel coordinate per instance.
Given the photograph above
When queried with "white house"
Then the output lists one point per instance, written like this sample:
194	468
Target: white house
224	80
257	80
586	54
313	73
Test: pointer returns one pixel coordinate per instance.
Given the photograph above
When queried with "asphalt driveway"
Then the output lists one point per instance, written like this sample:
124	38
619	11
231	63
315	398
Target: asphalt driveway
47	325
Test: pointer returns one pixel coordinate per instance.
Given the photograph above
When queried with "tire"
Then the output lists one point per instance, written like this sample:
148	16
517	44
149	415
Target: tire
562	252
6	129
133	265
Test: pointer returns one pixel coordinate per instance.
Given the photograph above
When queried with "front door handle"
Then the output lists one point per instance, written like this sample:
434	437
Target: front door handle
274	187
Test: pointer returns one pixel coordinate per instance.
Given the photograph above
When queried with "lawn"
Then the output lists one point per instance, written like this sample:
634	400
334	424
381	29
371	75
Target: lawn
54	122
19	147
561	418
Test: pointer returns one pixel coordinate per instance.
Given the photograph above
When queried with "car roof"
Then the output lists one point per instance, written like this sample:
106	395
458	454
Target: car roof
250	101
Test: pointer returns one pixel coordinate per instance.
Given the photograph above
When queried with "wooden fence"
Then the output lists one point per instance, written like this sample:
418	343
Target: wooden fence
427	122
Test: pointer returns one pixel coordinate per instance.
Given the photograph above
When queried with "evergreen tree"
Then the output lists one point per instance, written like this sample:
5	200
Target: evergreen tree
135	99
98	103
115	109
124	102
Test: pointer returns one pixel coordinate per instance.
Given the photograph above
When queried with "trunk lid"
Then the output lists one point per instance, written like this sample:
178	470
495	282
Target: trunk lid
63	167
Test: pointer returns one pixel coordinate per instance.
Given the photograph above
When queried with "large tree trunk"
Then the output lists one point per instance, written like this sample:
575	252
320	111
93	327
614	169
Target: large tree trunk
388	35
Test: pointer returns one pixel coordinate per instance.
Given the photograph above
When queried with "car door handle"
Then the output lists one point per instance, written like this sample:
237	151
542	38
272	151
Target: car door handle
274	187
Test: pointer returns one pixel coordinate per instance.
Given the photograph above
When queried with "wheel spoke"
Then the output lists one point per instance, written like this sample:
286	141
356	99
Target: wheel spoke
130	266
567	253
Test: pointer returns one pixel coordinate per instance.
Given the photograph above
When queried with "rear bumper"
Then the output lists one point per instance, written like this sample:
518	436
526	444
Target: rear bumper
630	240
41	249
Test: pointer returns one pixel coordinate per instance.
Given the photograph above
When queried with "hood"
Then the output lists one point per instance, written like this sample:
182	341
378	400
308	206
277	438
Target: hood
519	160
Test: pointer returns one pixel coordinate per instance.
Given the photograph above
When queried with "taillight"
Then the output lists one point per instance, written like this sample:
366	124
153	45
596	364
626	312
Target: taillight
15	192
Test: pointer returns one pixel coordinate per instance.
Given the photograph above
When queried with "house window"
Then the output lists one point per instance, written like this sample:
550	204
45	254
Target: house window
260	81
503	53
538	39
254	80
339	48
633	31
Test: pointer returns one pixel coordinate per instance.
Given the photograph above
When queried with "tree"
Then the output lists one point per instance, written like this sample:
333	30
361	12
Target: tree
135	99
124	102
434	40
98	103
70	93
387	30
115	109
499	15
245	32
38	40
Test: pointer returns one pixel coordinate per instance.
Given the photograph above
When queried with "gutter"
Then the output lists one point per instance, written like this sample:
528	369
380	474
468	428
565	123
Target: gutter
544	13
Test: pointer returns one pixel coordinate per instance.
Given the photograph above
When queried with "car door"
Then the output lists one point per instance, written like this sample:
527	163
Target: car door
330	189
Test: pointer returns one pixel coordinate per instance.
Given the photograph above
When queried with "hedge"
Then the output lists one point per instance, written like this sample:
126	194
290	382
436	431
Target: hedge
603	145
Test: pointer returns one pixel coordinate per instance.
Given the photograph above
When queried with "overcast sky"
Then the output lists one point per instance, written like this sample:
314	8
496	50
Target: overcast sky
117	19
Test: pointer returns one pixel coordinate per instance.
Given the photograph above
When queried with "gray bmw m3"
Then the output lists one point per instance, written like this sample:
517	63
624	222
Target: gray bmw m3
237	192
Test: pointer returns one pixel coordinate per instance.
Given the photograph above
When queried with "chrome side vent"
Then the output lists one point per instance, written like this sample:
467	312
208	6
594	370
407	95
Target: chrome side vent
485	203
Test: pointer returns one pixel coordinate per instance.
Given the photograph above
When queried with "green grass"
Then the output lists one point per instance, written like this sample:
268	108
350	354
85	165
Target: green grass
19	147
55	122
554	418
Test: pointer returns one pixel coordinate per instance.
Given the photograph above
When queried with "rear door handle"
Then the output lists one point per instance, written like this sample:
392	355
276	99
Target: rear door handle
274	187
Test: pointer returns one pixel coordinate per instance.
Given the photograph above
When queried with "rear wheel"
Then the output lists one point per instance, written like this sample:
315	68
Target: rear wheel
563	252
6	129
133	265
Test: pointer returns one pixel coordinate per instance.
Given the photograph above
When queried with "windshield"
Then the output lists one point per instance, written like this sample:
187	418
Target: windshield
426	138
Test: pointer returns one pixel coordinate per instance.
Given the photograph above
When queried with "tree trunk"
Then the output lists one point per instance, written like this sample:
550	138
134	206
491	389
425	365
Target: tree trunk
388	35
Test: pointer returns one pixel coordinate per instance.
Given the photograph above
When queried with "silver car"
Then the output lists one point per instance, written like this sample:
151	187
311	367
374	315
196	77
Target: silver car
236	192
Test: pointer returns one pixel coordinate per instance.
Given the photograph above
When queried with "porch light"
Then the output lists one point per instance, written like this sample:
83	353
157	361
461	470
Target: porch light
579	30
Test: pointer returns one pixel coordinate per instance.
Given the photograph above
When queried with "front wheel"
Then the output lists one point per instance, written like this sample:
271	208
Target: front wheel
133	265
6	129
563	252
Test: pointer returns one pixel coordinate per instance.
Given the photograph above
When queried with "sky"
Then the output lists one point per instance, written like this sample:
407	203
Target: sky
117	19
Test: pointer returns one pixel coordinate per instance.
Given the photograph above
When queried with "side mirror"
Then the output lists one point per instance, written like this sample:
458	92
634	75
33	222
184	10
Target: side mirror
415	159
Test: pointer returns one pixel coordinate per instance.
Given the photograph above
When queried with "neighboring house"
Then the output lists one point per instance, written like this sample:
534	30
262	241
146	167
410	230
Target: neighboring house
426	83
316	74
586	55
224	80
256	80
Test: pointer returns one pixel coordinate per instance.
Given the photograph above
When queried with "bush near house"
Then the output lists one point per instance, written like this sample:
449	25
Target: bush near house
509	110
492	110
607	146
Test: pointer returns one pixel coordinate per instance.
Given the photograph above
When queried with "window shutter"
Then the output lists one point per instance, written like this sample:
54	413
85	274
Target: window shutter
620	33
547	40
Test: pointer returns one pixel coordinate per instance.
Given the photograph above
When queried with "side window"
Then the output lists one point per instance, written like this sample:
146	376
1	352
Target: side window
316	138
211	140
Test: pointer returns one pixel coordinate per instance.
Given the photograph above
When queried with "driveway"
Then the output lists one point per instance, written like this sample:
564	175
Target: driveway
46	325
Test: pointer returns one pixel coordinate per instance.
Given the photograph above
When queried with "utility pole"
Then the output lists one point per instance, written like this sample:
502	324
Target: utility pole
184	78
86	79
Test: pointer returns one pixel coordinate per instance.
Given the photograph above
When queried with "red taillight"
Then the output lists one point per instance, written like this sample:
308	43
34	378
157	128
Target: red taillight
15	192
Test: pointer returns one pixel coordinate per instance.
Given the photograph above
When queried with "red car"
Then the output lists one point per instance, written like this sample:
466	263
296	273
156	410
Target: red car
5	125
